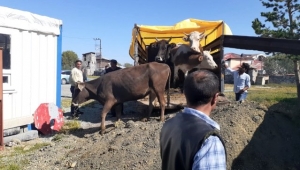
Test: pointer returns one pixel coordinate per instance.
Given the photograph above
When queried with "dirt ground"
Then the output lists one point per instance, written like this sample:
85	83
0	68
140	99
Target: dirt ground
256	137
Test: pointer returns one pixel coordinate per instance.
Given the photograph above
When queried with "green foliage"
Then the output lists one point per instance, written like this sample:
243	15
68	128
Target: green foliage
284	22
283	19
278	64
68	59
128	65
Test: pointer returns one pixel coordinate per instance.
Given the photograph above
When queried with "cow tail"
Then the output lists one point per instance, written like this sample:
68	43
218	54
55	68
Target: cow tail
168	92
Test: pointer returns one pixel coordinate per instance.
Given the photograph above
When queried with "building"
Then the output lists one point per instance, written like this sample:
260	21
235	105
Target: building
95	64
89	62
31	47
254	60
102	62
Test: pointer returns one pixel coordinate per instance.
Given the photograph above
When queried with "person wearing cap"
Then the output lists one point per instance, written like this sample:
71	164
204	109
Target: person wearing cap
114	67
241	81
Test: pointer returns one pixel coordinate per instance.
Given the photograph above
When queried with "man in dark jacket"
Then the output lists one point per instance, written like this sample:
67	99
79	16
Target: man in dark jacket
114	67
190	141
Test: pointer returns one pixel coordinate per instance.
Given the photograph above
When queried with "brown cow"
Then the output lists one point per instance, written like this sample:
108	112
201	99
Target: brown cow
127	84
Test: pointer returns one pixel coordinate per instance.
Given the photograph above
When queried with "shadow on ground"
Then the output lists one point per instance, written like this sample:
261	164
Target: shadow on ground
275	143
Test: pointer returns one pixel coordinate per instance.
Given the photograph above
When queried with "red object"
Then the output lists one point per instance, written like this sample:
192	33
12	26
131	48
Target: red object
48	117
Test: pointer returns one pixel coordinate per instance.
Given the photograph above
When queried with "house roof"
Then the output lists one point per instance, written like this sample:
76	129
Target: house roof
238	56
88	53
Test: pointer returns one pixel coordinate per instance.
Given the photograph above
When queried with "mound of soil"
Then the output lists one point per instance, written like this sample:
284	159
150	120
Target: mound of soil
256	137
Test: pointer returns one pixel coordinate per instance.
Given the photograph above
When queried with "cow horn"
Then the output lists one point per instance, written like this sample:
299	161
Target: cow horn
156	39
170	39
185	34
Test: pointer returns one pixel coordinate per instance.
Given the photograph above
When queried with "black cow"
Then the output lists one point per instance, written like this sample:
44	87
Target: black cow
128	84
158	51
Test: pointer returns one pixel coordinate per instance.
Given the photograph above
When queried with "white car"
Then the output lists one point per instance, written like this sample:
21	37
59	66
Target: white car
65	74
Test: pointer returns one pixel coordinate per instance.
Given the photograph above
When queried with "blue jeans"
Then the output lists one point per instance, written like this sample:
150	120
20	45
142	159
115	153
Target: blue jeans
241	96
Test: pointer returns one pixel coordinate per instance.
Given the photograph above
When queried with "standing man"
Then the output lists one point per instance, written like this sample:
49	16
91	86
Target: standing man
114	67
190	141
241	81
75	76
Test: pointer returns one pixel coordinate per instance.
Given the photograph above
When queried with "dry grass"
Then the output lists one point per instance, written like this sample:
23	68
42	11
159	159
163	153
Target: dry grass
69	126
66	103
93	77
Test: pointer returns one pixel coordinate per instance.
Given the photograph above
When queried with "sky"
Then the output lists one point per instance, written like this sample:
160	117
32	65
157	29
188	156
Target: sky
112	20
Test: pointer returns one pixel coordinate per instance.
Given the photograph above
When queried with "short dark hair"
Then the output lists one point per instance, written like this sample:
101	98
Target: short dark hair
77	61
200	86
113	61
246	66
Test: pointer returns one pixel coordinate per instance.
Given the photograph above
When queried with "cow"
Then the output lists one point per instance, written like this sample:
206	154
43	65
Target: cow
128	84
158	51
194	39
186	58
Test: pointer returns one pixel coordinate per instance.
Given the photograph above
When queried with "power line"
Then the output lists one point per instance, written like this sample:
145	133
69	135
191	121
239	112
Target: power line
76	37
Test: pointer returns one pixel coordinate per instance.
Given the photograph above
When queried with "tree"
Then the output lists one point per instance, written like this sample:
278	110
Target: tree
284	22
68	59
128	65
278	65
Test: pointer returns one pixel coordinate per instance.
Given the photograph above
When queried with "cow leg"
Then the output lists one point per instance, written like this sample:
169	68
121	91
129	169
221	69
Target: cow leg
162	103
152	97
119	110
175	77
107	106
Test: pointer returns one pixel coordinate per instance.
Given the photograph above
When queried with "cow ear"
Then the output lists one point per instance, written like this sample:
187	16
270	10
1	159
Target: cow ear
200	57
81	85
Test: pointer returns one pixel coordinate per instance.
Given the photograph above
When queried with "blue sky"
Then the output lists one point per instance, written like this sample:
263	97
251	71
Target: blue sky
113	20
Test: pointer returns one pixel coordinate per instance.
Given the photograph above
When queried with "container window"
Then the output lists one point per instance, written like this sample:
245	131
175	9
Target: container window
5	44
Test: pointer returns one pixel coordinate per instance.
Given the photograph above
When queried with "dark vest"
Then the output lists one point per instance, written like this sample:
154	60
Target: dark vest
111	70
181	138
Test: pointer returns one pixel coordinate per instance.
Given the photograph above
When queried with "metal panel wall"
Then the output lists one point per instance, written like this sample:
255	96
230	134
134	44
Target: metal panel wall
33	75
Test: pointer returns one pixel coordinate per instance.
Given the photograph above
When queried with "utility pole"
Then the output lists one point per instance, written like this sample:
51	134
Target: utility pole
96	48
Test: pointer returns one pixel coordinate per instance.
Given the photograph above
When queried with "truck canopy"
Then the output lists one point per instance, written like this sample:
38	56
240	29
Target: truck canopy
143	35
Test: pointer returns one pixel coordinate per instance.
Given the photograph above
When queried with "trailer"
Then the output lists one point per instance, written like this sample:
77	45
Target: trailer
143	35
218	36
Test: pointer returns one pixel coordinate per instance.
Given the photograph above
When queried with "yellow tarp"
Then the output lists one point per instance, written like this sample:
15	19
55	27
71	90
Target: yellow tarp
213	30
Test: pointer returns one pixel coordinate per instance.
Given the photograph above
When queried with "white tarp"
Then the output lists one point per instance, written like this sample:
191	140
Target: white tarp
23	20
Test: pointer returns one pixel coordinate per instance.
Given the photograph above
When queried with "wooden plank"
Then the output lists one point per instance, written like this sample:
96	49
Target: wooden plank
287	46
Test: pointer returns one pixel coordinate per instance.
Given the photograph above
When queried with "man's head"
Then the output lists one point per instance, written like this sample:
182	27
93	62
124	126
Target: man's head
244	68
200	88
78	64
113	63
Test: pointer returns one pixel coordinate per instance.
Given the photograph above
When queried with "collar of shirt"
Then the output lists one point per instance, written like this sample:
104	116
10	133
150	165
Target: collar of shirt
202	116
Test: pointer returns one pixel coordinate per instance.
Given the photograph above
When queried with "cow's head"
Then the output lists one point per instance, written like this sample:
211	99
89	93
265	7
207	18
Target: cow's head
163	46
81	94
194	38
207	61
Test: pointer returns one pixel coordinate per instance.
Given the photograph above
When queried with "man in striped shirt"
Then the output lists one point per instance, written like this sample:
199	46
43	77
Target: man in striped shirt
190	140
